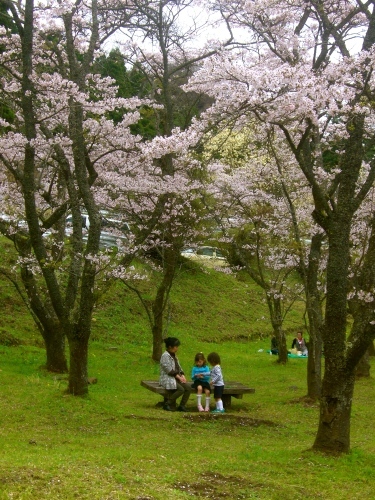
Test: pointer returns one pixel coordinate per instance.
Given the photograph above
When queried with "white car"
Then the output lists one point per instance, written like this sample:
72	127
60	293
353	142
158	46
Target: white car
205	252
112	231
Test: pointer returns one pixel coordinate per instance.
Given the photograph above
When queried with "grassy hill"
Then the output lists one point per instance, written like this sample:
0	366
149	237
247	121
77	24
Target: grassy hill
205	304
118	444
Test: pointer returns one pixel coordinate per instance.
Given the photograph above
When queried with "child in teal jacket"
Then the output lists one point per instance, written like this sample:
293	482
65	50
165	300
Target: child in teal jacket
201	380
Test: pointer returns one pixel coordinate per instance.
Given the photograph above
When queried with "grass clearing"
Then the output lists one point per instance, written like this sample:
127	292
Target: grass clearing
117	444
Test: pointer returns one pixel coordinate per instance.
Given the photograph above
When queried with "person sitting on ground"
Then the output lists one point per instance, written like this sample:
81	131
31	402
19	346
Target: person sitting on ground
274	345
299	344
172	377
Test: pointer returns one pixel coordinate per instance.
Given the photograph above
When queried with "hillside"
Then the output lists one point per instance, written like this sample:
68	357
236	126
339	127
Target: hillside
206	304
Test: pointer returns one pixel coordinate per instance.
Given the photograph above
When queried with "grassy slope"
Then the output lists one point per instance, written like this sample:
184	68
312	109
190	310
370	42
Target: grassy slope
116	444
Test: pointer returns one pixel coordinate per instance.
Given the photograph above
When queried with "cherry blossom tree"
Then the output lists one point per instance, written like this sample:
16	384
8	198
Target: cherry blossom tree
254	160
68	153
165	215
264	218
306	69
164	45
51	160
307	237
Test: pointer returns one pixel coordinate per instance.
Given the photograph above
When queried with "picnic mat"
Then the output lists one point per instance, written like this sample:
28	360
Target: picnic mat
290	355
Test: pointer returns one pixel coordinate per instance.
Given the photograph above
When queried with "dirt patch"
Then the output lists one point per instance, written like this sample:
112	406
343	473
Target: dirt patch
305	401
139	417
23	475
8	339
216	486
237	421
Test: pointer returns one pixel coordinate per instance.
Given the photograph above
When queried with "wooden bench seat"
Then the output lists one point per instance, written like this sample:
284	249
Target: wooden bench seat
231	389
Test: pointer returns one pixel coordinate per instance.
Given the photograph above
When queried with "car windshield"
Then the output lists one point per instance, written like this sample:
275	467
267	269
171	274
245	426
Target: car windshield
206	251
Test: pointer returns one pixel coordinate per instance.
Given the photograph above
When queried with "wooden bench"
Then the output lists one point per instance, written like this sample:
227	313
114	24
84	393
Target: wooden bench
231	389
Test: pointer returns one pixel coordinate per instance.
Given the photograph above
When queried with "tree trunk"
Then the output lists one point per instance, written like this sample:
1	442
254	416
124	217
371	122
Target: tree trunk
314	367
46	321
363	367
85	175
78	385
315	315
55	350
371	349
157	327
333	434
281	340
274	306
157	340
170	256
55	354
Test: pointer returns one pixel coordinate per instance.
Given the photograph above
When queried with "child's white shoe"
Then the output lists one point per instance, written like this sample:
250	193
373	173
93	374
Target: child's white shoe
200	408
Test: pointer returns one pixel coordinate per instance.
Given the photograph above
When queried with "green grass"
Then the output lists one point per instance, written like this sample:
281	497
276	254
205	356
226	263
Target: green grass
116	444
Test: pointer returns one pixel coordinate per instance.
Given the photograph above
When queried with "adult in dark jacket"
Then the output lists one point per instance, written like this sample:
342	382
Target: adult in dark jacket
274	345
172	377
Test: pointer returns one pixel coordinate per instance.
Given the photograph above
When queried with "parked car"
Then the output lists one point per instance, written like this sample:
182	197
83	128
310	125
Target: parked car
210	253
188	252
112	231
205	252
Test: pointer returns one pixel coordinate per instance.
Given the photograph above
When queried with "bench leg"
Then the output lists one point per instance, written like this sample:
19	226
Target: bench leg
227	401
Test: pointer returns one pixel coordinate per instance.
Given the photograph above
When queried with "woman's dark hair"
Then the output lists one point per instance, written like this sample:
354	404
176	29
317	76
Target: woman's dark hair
213	358
171	342
200	356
